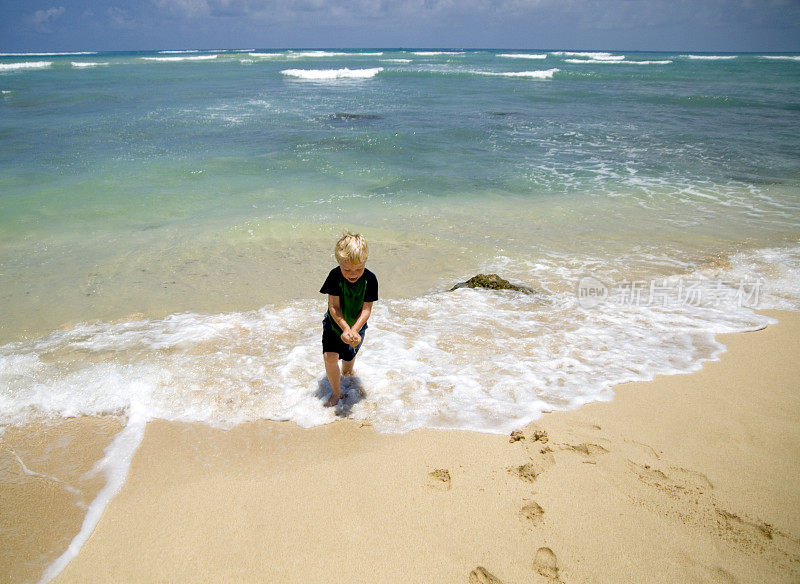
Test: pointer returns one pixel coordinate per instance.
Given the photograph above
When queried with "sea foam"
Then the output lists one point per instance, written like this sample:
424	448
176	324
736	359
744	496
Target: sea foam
781	57
175	59
616	62
314	54
86	64
435	53
522	56
710	57
542	74
328	74
10	67
597	56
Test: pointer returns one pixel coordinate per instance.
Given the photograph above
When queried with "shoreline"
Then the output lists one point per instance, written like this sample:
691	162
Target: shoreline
684	478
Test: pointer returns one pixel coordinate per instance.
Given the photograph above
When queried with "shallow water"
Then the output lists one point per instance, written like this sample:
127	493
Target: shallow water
203	190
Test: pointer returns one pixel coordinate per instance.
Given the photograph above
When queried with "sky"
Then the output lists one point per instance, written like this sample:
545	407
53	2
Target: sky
655	25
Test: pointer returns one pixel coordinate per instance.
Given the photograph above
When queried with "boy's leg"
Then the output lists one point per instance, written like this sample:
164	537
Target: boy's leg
347	366
334	377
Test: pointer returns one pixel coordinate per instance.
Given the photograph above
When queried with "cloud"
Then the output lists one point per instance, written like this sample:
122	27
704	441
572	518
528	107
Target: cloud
120	18
205	8
42	19
326	8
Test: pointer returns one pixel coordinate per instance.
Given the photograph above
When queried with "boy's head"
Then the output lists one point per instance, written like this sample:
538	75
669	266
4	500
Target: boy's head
351	252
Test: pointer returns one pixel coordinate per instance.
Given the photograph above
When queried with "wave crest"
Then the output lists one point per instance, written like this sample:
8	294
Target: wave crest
710	57
23	66
522	56
327	74
174	59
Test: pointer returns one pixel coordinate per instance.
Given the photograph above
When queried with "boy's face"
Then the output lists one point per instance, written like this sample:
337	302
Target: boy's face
351	272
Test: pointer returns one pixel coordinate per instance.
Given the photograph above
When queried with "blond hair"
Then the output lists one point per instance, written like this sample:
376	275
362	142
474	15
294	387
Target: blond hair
352	247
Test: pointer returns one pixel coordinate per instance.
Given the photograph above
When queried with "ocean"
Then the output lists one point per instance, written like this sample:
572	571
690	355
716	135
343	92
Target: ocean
167	219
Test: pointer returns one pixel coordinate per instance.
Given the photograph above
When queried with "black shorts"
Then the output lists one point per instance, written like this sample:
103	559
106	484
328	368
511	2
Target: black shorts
333	343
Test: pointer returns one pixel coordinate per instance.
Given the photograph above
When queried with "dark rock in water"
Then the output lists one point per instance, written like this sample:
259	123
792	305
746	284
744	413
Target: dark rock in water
492	282
346	117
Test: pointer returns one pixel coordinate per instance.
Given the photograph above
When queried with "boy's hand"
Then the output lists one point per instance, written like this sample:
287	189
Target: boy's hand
352	338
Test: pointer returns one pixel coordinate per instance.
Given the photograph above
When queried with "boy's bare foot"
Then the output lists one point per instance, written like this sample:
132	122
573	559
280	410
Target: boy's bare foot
333	400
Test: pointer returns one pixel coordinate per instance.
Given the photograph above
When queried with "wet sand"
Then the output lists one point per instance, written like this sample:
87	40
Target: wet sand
46	483
689	478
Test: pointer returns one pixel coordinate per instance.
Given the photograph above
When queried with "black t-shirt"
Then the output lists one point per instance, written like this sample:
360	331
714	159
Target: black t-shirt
351	296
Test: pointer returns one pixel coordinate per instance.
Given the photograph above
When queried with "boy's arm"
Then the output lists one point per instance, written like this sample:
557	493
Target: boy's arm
334	307
363	316
352	337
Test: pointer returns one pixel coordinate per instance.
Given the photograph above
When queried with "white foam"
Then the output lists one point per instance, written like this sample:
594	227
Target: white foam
115	466
86	64
175	59
23	66
781	57
314	54
266	55
616	62
522	56
178	52
396	60
26	471
328	74
710	57
543	74
662	62
367	54
435	53
597	56
778	269
587	61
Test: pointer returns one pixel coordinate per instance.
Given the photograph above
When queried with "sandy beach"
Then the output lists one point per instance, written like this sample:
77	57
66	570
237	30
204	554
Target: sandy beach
688	478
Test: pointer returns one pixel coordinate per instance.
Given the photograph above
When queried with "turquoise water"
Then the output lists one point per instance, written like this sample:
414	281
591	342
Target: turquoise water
166	219
116	177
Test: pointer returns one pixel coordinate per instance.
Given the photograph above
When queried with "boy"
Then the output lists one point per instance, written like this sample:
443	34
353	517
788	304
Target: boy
351	290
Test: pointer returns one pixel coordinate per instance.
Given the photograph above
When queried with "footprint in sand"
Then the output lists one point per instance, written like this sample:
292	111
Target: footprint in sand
540	436
527	472
439	479
588	450
531	470
481	575
545	563
533	512
680	480
689	496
